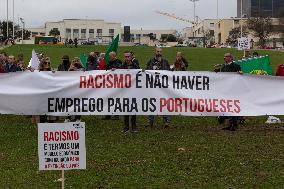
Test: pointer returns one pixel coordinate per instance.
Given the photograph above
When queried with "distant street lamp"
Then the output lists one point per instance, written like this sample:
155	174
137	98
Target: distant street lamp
13	19
23	23
194	13
7	20
217	9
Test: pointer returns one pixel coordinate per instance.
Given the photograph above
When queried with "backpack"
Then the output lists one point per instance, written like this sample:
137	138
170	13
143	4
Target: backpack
280	70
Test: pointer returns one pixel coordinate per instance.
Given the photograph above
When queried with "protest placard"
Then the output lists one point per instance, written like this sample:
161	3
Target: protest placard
61	146
243	43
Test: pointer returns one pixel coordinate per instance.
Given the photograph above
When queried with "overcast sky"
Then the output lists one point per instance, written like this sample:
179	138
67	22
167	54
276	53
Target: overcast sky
136	13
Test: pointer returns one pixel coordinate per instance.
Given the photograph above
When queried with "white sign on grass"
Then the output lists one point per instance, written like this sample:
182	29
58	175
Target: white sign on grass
61	146
243	43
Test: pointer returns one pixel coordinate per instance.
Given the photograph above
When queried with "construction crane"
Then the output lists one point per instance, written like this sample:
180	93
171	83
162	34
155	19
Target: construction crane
175	17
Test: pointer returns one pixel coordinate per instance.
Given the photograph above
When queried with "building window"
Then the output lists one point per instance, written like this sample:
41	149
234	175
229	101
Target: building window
43	34
212	25
111	32
91	33
34	34
68	33
100	33
75	33
131	37
83	33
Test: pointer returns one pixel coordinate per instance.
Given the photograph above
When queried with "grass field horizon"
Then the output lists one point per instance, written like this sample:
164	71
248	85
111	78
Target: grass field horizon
193	153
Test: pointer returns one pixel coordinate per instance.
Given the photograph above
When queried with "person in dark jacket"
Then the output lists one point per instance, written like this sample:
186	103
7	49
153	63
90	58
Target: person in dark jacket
76	42
11	65
129	64
92	62
134	59
65	65
229	66
113	63
158	63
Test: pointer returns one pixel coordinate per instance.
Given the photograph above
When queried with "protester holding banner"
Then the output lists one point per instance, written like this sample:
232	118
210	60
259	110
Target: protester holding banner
229	66
158	63
134	59
129	64
21	63
92	62
180	63
114	63
102	65
76	65
65	65
45	65
11	65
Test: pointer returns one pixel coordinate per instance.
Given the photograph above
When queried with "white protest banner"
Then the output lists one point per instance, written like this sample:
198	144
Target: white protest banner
133	92
61	146
243	43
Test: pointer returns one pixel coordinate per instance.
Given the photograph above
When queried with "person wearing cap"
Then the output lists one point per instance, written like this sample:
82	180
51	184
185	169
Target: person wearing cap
65	65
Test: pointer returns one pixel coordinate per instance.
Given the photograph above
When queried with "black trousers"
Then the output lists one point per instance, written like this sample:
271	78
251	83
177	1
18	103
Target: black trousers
126	122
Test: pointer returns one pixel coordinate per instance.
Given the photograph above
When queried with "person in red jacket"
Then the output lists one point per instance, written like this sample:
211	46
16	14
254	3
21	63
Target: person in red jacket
1	68
280	70
102	65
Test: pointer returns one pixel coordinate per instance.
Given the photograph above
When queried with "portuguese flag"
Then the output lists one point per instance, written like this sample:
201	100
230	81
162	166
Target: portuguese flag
258	65
112	48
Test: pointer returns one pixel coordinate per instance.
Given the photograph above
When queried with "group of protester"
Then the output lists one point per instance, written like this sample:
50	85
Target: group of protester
70	42
95	61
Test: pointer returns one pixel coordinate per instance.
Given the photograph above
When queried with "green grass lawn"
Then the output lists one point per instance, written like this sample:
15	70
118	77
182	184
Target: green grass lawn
194	153
200	59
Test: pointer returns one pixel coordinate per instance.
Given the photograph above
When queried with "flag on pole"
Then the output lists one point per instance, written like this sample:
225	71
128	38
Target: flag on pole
112	48
83	59
34	62
258	65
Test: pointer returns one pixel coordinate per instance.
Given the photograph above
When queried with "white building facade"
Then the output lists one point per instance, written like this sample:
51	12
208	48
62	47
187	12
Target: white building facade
82	29
203	31
138	36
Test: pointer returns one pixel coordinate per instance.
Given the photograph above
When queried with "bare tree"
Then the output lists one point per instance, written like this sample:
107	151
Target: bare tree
235	33
261	27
